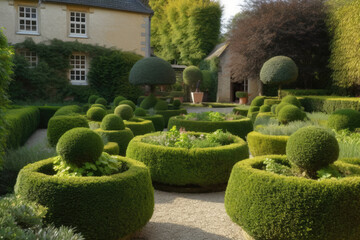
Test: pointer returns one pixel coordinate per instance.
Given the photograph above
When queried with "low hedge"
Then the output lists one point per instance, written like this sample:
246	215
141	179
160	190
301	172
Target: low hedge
272	101
46	112
58	125
271	206
107	207
262	144
241	111
329	104
112	148
21	123
140	126
157	120
167	114
344	119
68	110
304	92
182	166
121	137
239	127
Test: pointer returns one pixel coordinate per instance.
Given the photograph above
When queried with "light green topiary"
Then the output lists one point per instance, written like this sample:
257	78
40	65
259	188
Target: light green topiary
118	99
98	105
161	105
273	109
112	148
96	113
112	122
344	119
140	112
258	101
128	102
292	100
124	111
265	108
101	101
279	107
290	113
192	75
148	102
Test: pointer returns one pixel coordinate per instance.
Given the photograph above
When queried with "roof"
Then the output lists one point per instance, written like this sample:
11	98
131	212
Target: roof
124	5
218	50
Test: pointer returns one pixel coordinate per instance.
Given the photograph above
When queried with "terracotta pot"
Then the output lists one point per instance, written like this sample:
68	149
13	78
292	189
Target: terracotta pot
243	100
197	97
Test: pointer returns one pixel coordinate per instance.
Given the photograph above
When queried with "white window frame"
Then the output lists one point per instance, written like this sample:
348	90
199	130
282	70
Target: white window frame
29	18
30	56
77	25
79	70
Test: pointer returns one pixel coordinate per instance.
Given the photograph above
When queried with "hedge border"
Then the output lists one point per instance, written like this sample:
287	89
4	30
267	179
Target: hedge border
241	111
167	114
328	104
262	144
140	128
157	120
121	137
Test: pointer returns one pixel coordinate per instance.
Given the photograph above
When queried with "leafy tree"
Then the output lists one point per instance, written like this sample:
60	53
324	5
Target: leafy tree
293	28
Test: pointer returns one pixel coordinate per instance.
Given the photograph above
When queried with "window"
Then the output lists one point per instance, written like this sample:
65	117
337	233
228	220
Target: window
30	56
78	24
79	70
28	20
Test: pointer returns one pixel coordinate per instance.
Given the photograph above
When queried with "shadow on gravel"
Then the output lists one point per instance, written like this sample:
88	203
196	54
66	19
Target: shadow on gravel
169	197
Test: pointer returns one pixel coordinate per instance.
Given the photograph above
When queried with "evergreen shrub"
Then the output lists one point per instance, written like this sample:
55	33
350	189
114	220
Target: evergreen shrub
118	99
121	137
96	114
124	111
176	103
112	122
344	119
92	99
68	110
101	101
290	113
265	108
111	148
161	105
262	144
140	112
148	102
167	114
280	106
128	102
98	105
157	120
139	126
292	100
258	101
241	111
46	112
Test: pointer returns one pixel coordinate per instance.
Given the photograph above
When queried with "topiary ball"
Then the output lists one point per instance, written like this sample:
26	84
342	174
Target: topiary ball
96	113
112	122
118	99
101	101
265	108
176	104
290	113
312	148
273	109
149	102
80	145
258	101
92	99
279	70
192	75
280	106
292	100
99	105
140	112
124	111
128	102
161	105
344	119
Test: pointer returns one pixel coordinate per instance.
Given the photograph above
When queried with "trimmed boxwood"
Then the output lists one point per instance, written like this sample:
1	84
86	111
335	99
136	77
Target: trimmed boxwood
271	206
240	127
140	126
241	111
161	105
148	102
98	105
128	102
101	101
112	148
121	137
107	207
124	111
96	114
265	108
68	110
292	100
118	99
344	119
46	112
140	112
258	101
290	113
181	166
60	124
157	120
167	114
271	101
262	144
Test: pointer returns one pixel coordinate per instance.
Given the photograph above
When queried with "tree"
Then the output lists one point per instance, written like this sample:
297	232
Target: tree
192	76
293	28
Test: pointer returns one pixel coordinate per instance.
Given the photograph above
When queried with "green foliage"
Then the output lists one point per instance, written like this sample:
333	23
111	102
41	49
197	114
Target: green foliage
349	144
101	101
279	70
176	104
161	105
96	114
211	116
192	76
128	102
271	165
292	100
157	120
60	124
271	101
290	113
118	99
149	102
182	166
79	146
112	148
263	144
121	137
253	109
241	111
312	148
167	114
177	94
92	99
329	104
124	111
111	207
280	106
240	94
265	108
140	112
273	127
140	126
210	84
98	105
344	119
46	112
262	202
68	110
304	92
112	122
273	108
258	101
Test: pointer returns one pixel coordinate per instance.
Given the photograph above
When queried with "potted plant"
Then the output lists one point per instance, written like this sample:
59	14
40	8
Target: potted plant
192	77
243	97
177	95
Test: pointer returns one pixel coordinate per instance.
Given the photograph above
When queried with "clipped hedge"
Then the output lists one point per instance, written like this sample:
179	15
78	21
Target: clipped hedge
167	114
58	125
304	92
96	114
329	104
112	148
181	166
262	144
271	206
121	137
140	126
239	127
157	120
68	110
344	119
107	207
21	123
258	101
241	111
46	112
271	101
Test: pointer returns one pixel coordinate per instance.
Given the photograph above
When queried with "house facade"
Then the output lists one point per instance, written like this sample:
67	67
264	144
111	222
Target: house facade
121	24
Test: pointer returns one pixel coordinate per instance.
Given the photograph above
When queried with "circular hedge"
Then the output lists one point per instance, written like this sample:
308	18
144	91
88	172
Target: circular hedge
292	100
118	99
128	102
157	120
140	126
121	137
240	127
182	166
258	101
101	101
96	114
290	113
271	206
112	122
101	208
241	111
167	114
140	112
112	148
344	119
124	111
279	70
148	102
262	144
265	108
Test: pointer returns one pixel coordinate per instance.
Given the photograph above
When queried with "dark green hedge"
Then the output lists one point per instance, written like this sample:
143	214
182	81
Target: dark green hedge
46	112
107	207
261	144
239	127
121	137
58	125
167	114
21	123
180	166
157	120
240	111
140	126
329	104
68	110
304	92
271	206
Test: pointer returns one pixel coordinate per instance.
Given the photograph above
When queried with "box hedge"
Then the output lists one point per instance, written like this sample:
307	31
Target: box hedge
329	104
157	120
262	144
240	127
182	166
112	148
46	112
344	119
107	207
140	126
121	137
68	110
167	114
271	206
241	111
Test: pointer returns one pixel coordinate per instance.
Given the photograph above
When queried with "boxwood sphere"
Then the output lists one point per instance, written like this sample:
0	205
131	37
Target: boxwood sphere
192	75
128	102
292	100
279	70
118	99
148	102
96	113
344	119
265	108
280	106
124	111
101	101
80	145
92	99
312	148
98	105
161	105
290	113
140	112
258	101
112	122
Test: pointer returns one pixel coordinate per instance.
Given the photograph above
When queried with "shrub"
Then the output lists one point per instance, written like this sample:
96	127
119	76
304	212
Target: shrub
128	102
304	92
46	112
118	99
177	94
98	105
344	119
101	208
265	108
161	105
157	120
176	104
96	114
292	100
80	145
241	111
241	94
121	137
253	109
258	101
139	100
140	126
262	144
192	76
273	109
112	122
140	112
112	148
329	104
167	114
60	124
68	110
312	148
149	102
290	113
124	111
92	99
280	106
271	101
101	101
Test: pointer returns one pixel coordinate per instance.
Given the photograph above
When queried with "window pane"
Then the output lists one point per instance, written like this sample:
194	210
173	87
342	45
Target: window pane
27	9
